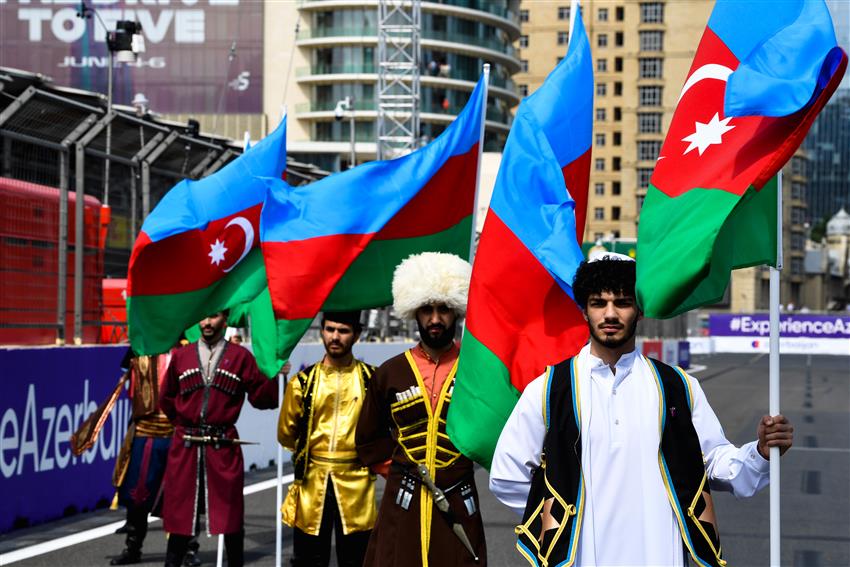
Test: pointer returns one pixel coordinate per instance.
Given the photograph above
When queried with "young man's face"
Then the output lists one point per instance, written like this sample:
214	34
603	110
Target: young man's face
612	318
338	338
212	327
436	324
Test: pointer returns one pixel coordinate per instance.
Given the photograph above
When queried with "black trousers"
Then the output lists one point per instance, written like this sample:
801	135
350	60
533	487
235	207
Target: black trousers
315	551
178	545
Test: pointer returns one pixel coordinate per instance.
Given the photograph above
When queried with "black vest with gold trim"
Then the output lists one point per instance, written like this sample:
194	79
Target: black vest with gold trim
552	520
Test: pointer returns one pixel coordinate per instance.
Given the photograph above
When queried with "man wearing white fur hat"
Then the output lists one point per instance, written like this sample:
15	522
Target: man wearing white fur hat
429	514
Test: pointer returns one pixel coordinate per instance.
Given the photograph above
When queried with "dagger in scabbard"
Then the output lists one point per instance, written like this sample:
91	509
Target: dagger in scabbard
445	510
216	441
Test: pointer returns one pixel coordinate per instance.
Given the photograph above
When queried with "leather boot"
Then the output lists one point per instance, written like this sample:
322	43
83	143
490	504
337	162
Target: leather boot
127	557
133	552
173	560
176	550
137	529
191	559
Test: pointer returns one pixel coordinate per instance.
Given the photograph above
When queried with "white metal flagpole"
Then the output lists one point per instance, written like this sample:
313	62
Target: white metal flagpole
773	395
478	171
278	540
278	553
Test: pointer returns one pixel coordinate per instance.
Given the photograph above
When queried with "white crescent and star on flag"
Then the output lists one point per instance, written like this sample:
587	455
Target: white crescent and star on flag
706	134
218	249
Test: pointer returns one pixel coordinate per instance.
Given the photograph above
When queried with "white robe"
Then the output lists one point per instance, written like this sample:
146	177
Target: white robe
627	516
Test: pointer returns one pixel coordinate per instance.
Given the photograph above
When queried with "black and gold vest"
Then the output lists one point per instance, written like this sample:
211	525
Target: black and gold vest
552	520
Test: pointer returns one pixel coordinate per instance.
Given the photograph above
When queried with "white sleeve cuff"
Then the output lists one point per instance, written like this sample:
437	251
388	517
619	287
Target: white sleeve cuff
754	461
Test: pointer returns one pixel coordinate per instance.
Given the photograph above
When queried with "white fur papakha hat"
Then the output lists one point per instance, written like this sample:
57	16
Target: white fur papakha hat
430	277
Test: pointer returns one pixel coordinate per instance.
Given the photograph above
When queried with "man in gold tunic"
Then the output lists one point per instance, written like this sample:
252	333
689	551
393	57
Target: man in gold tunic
332	488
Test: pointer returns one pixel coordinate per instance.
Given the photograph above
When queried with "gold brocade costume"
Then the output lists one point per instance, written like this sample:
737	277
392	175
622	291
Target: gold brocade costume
146	375
335	398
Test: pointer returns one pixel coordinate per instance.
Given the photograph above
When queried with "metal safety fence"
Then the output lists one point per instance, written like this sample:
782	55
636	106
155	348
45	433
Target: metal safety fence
57	144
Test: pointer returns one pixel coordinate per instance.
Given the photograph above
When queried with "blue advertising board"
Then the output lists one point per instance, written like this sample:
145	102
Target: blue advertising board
46	394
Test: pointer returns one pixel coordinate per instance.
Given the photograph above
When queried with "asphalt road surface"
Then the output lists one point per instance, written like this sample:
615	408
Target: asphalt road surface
815	483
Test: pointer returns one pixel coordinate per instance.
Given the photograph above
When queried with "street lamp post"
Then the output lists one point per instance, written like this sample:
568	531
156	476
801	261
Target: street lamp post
123	44
342	106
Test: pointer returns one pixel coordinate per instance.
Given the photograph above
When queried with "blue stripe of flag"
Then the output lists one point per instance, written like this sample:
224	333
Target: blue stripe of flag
363	199
192	205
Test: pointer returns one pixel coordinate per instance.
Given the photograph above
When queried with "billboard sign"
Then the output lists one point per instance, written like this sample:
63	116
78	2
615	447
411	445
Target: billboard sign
202	56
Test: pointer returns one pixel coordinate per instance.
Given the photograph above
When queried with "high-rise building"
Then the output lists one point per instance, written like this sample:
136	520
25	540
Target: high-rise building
642	52
335	55
828	146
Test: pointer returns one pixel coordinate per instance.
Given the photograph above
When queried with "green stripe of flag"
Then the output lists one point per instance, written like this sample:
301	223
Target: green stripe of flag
368	281
159	319
689	245
487	394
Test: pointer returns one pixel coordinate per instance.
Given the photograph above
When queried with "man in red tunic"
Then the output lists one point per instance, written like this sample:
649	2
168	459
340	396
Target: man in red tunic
204	390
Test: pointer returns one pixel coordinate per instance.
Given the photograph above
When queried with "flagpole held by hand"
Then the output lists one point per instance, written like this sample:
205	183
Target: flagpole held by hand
773	391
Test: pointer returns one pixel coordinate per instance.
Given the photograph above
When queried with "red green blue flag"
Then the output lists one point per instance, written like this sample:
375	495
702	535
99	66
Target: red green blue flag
521	315
198	251
761	74
334	244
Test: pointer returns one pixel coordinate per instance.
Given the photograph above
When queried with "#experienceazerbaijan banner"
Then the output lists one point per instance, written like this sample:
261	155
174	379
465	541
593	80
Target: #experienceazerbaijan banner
47	393
186	61
791	325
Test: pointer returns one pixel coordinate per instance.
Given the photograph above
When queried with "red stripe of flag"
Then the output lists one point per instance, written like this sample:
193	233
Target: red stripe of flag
156	265
528	321
310	276
439	205
304	272
577	180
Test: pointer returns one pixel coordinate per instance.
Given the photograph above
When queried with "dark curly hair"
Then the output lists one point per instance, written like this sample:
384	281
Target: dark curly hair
607	274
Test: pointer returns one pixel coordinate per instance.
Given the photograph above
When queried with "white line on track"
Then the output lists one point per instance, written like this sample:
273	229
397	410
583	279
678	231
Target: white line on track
108	529
822	449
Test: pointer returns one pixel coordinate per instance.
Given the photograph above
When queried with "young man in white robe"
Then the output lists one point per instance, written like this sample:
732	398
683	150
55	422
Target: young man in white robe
609	456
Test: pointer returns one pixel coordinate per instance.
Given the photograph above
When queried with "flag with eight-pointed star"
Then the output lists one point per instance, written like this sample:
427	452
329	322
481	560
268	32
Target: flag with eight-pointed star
761	74
198	251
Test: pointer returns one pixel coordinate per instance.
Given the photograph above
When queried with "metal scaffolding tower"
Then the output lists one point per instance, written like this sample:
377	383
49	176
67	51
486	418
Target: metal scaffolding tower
399	29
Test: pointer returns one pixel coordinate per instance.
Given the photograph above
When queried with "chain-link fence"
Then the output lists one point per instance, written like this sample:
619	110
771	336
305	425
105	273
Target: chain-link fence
56	143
